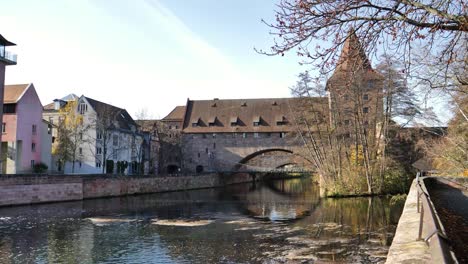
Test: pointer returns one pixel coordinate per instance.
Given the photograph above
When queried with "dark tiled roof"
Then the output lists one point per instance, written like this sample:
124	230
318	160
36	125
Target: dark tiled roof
272	115
5	42
13	93
51	107
147	125
176	114
103	110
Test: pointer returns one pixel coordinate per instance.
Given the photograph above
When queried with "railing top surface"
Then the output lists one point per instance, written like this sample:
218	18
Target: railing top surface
442	250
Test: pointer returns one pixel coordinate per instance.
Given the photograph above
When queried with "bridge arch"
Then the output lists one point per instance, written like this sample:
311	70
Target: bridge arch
291	159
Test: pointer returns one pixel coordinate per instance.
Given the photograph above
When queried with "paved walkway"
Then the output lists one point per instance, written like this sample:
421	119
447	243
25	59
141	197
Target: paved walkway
451	203
405	248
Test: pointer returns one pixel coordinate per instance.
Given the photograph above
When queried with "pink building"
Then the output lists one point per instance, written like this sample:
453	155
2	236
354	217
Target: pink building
21	129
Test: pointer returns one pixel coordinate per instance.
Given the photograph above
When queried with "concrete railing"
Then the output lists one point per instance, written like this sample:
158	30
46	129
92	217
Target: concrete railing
431	229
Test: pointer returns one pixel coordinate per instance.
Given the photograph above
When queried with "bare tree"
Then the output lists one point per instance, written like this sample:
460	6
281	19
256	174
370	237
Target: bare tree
396	26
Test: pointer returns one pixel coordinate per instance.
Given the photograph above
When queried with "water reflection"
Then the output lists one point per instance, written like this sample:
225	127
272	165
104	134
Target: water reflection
277	222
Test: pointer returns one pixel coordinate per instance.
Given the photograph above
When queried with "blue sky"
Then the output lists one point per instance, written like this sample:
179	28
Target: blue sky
150	54
147	54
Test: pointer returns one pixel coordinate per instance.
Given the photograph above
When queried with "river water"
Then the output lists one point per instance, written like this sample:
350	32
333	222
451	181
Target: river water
277	222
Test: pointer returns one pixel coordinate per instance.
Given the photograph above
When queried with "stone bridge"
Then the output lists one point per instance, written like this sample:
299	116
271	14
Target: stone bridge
224	153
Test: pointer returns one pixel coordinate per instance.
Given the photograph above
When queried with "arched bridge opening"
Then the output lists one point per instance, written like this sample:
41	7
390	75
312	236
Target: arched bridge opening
274	159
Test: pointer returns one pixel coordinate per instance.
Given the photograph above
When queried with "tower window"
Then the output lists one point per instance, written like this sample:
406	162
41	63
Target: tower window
365	110
366	97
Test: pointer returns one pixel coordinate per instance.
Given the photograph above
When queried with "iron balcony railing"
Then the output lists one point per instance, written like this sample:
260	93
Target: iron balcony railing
6	55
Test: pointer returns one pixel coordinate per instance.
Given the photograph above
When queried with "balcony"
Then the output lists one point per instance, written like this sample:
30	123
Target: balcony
7	57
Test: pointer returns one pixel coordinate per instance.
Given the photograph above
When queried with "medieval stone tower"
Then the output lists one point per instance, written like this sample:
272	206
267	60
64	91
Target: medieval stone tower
355	93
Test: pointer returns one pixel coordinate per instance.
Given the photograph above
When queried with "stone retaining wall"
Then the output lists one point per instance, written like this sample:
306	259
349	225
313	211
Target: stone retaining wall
29	189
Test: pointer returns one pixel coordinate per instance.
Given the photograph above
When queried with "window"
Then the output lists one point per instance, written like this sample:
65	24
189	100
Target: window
234	135
206	150
214	145
346	122
82	108
170	127
211	124
98	135
370	84
244	135
98	150
79	163
49	129
53	139
194	124
34	129
115	140
33	162
33	147
9	108
51	120
365	110
176	127
80	150
198	154
214	135
346	97
256	135
203	135
98	164
81	136
268	134
3	127
366	97
282	134
234	123
256	123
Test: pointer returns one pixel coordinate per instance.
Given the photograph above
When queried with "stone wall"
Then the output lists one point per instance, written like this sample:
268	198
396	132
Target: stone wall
16	190
38	189
223	151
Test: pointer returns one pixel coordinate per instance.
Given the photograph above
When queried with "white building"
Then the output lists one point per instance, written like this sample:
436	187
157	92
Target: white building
111	138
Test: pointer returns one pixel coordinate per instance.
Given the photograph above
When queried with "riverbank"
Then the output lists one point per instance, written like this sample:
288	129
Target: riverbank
32	189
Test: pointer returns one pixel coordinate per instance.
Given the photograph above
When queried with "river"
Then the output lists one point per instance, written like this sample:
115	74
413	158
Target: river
282	221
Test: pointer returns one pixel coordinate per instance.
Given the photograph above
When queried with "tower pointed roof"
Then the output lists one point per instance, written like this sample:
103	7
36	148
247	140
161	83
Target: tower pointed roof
353	55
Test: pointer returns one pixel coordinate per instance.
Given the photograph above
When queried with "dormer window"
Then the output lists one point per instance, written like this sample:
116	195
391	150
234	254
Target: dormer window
196	122
257	120
234	121
213	105
244	104
274	103
212	121
281	120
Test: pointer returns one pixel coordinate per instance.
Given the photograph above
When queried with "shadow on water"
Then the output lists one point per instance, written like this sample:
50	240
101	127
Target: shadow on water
278	221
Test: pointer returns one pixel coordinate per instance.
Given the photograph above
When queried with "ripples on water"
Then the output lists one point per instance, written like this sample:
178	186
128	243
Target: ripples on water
279	222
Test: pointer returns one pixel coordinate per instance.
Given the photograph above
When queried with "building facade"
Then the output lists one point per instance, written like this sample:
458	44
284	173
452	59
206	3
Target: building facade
6	59
256	134
23	143
109	141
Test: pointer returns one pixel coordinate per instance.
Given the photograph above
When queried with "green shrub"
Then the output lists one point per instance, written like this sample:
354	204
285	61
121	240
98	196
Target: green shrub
40	168
109	166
